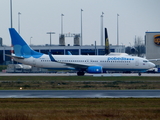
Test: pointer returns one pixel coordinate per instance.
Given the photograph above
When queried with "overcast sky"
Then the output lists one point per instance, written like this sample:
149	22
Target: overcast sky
41	16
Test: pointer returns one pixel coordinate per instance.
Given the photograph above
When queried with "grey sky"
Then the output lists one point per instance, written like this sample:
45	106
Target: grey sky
41	16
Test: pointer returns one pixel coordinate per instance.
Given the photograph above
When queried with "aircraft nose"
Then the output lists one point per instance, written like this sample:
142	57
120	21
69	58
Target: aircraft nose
152	65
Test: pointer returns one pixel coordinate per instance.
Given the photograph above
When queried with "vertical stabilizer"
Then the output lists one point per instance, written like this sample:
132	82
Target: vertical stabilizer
21	48
107	50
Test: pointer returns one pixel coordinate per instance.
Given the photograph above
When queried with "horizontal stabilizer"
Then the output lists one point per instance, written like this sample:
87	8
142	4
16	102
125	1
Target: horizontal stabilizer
14	56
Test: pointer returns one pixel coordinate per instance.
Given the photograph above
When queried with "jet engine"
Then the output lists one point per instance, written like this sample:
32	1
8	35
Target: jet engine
94	69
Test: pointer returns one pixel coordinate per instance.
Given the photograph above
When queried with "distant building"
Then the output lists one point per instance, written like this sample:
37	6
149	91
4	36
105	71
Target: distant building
152	40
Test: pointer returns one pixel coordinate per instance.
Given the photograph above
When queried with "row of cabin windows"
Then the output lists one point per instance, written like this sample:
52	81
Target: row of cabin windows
68	61
73	60
45	60
116	61
85	61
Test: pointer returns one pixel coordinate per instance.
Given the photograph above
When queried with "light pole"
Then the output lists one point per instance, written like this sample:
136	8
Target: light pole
11	27
11	12
30	40
19	22
121	48
50	35
81	28
117	31
95	48
62	23
102	29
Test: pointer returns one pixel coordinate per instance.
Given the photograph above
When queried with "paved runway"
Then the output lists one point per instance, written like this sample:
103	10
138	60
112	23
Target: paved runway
74	74
79	93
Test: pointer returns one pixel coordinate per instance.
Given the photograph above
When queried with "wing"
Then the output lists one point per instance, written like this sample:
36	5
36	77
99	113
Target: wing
75	65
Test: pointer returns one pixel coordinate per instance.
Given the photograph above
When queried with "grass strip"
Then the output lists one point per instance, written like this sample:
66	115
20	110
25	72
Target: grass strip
77	83
78	109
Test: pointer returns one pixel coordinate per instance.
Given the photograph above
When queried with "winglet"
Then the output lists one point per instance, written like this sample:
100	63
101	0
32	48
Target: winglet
51	57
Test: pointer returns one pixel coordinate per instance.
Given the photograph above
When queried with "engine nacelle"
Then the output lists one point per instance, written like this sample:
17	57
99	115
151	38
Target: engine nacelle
94	69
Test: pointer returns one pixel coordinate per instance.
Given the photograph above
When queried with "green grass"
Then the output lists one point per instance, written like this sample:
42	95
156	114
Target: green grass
78	109
77	83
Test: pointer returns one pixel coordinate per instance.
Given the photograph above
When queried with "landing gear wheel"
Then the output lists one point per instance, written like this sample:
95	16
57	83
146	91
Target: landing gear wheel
80	73
139	74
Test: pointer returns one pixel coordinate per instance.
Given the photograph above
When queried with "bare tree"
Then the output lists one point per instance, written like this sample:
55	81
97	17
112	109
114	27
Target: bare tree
139	47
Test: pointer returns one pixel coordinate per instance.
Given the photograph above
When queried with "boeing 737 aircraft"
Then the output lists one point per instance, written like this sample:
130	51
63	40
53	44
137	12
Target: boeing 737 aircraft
81	63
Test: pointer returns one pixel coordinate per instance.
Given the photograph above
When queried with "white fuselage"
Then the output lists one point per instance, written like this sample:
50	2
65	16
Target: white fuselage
120	63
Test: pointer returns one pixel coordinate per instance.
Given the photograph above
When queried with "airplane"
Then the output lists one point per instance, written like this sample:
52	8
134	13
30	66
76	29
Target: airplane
69	53
94	64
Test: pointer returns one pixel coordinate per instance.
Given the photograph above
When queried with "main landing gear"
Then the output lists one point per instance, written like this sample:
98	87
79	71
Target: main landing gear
139	74
80	73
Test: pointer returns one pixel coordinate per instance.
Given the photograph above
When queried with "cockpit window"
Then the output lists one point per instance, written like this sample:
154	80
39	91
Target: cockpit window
145	60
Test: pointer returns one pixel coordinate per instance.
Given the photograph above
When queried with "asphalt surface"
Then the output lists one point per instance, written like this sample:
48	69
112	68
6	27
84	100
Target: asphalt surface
74	74
79	93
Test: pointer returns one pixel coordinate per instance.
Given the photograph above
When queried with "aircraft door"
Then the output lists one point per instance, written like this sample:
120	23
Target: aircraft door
34	62
137	62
